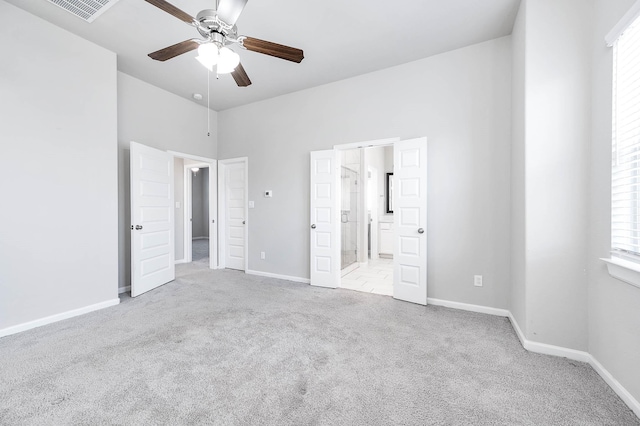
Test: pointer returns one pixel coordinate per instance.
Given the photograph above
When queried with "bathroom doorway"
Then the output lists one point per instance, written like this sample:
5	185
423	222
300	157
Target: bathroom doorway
405	219
365	224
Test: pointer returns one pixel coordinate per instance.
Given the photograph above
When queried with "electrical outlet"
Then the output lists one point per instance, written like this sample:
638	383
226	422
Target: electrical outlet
477	280
262	255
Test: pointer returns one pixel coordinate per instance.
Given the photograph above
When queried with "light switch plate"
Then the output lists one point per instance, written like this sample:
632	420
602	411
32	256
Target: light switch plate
177	204
251	204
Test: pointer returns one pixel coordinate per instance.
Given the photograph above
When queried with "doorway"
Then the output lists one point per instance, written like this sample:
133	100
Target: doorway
197	177
158	182
367	266
196	210
405	219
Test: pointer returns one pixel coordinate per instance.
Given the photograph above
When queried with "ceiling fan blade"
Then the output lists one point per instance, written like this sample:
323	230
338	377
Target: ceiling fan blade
229	10
172	10
240	76
175	50
278	50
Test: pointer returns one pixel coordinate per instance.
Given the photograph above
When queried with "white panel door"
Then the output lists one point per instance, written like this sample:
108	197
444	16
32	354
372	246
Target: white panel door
325	238
152	216
235	211
410	220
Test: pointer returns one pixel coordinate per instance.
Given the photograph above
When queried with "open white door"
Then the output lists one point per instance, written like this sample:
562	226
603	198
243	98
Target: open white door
152	216
233	186
410	220
325	229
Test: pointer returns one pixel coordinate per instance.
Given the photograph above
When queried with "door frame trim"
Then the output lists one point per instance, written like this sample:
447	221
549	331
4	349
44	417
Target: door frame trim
222	206
366	144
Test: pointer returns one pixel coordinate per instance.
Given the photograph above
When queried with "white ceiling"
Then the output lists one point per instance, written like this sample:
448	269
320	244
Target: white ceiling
340	39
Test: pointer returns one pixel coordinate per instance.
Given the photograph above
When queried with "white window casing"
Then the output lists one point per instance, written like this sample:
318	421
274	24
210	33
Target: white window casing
624	263
625	174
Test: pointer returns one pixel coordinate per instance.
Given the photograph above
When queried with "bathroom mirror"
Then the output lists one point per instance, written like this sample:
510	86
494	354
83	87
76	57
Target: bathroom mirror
389	192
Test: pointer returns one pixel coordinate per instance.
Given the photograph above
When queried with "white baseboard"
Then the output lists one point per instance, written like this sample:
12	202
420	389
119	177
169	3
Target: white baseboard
543	348
546	349
282	277
519	332
124	289
57	317
180	261
582	356
468	307
616	386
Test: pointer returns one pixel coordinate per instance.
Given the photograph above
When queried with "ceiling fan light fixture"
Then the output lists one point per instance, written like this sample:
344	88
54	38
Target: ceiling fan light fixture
208	50
208	55
228	60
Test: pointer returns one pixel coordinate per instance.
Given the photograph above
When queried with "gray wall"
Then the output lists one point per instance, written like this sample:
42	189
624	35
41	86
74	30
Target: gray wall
58	166
550	150
156	118
557	132
613	306
460	100
561	186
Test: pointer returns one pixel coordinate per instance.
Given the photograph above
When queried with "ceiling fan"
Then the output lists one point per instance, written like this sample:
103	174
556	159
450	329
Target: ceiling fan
218	29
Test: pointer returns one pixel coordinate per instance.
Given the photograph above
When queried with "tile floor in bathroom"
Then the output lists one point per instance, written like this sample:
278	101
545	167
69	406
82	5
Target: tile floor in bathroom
376	277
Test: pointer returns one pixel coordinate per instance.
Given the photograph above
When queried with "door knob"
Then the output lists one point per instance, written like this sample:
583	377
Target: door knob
420	231
313	226
243	222
213	221
138	227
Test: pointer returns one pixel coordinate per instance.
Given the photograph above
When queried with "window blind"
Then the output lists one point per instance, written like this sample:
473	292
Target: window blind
625	179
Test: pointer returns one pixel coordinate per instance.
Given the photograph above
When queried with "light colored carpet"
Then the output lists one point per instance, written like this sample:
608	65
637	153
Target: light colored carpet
225	348
200	251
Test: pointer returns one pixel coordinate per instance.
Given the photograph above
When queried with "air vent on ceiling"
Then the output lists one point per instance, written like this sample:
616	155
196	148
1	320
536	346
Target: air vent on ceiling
88	10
